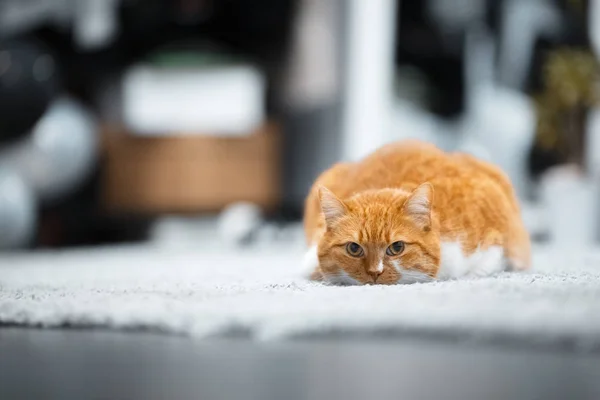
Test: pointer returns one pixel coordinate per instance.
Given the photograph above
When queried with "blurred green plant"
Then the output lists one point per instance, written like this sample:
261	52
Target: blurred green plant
570	79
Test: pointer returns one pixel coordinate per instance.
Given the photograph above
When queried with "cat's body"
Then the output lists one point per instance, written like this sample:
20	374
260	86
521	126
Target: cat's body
447	215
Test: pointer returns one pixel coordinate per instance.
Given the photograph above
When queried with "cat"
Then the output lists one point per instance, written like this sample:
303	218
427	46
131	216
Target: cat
409	213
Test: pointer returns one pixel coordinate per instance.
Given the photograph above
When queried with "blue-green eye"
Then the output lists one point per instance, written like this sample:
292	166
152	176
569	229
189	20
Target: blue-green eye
354	249
395	249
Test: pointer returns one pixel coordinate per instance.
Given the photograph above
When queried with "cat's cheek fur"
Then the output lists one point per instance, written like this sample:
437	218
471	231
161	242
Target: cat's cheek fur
407	276
311	268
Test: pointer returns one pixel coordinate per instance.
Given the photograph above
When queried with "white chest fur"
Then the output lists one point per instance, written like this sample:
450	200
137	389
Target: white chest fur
455	264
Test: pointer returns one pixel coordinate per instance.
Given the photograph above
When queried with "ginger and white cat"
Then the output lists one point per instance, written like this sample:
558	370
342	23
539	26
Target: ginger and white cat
409	213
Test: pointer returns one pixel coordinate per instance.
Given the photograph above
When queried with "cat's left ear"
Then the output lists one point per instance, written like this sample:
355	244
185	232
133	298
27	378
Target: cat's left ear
418	206
332	207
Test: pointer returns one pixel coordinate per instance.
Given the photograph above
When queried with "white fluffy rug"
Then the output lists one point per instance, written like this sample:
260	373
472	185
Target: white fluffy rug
260	294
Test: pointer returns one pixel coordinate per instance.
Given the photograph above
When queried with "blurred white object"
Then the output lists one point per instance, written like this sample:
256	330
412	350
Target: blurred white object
95	22
60	152
18	214
312	79
367	106
475	148
185	232
592	143
534	218
239	222
594	25
17	16
455	15
412	122
570	200
503	122
224	100
500	120
523	23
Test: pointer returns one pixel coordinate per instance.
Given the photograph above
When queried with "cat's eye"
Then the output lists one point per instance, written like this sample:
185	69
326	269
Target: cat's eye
354	249
395	249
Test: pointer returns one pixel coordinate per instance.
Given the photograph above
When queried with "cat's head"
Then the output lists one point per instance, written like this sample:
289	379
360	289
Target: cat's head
384	236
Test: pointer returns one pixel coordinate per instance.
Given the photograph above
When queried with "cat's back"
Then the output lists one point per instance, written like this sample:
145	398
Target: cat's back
406	164
463	184
411	162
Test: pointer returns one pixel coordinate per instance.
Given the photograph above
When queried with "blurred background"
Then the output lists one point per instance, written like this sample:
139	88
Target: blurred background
127	121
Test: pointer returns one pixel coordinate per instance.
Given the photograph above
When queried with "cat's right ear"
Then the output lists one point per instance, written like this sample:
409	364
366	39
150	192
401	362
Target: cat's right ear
332	207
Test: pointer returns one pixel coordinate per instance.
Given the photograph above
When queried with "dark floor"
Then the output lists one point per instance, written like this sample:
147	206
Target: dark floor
64	364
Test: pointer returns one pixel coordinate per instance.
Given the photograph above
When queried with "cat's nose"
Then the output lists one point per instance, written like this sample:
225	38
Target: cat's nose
375	274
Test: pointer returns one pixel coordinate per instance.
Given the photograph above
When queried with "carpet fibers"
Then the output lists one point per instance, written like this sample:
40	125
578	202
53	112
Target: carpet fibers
260	294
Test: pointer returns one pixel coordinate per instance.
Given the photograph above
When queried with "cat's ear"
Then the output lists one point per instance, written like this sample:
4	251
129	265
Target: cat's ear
332	207
418	206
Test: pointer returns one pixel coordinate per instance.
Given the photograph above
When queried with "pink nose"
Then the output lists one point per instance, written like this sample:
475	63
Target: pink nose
375	274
